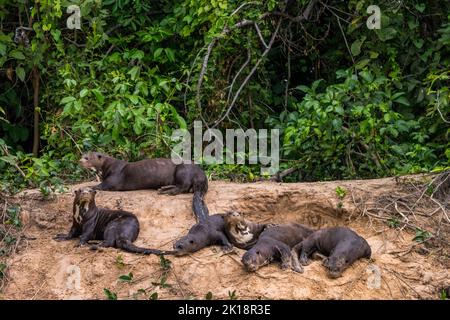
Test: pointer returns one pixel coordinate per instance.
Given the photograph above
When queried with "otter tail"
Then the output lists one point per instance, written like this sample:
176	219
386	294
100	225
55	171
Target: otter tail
198	204
127	245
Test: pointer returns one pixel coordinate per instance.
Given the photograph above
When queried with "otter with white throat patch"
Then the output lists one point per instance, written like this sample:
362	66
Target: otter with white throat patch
116	228
241	232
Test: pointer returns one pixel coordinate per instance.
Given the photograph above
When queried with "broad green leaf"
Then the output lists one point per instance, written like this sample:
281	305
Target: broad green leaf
133	72
2	49
20	72
83	93
170	54
98	95
16	54
68	99
157	53
356	46
361	64
403	101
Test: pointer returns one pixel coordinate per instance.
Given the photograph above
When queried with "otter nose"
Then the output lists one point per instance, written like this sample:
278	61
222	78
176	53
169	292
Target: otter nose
179	247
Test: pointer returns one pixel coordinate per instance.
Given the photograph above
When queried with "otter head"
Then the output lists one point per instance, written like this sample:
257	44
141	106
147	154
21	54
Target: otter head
84	198
92	160
335	266
234	219
257	257
85	195
196	239
233	214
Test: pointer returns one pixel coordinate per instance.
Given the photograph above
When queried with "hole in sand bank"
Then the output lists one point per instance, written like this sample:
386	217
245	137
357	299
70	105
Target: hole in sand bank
291	207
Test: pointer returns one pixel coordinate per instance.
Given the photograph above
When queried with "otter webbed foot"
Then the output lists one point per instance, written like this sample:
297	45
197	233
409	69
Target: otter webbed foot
227	248
304	261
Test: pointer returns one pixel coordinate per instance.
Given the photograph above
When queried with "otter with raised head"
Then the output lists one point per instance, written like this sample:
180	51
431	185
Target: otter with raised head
241	232
162	174
203	234
341	245
116	228
275	243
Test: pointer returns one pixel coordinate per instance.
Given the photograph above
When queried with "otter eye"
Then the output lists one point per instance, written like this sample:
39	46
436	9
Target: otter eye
191	241
85	158
99	156
257	252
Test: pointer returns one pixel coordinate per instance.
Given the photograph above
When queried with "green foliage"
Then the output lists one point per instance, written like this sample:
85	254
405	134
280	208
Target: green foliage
393	222
109	294
162	282
421	235
13	216
119	262
209	296
2	270
375	104
165	264
232	295
154	296
126	277
340	192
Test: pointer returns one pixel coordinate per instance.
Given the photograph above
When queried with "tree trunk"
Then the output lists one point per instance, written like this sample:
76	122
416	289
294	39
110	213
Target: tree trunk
36	111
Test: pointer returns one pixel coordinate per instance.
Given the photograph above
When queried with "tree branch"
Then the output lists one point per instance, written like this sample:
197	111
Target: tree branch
255	67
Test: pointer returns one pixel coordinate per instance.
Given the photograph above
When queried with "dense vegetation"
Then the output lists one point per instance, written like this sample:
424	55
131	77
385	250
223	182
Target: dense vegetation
349	101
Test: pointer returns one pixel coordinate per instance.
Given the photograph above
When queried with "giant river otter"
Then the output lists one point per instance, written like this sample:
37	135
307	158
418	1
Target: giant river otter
116	228
162	174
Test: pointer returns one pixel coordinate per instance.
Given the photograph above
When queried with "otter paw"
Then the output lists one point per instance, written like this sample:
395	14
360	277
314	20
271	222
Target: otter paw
227	248
285	266
297	268
304	261
79	245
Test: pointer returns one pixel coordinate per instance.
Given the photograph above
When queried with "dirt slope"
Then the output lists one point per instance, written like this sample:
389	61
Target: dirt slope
46	269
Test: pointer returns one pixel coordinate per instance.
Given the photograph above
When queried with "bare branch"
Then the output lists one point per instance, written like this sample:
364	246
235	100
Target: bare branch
260	35
238	73
255	67
439	110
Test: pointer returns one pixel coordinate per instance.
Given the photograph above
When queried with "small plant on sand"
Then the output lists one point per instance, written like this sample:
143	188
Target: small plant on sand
2	270
443	294
165	264
162	282
421	235
340	192
232	295
109	294
13	216
119	262
209	296
154	296
393	222
126	277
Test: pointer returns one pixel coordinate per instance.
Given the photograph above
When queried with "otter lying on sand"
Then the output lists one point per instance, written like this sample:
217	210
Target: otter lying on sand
203	234
342	245
242	233
276	242
116	228
162	174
